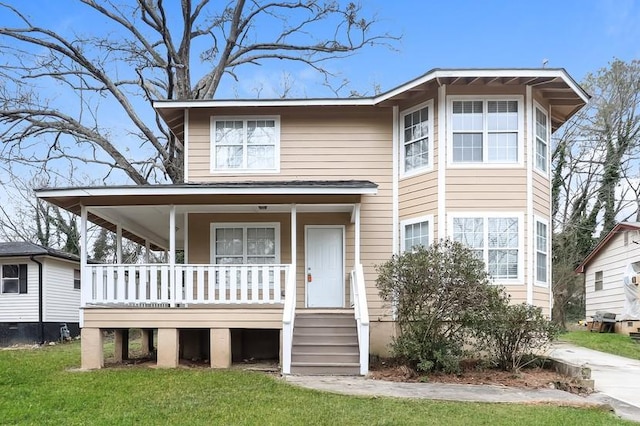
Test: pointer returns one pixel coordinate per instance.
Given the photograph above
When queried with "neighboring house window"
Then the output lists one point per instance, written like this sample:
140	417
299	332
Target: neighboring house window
417	138
416	232
14	279
542	140
542	248
485	131
245	244
598	281
76	279
249	144
495	240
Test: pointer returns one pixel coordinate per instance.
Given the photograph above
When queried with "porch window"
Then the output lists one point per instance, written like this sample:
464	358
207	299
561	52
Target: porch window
245	143
541	252
495	240
542	140
416	232
14	279
246	244
485	131
417	138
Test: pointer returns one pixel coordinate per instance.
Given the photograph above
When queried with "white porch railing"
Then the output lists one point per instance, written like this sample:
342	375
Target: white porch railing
160	285
288	319
361	311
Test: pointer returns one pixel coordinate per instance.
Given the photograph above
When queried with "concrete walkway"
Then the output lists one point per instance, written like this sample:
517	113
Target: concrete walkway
617	384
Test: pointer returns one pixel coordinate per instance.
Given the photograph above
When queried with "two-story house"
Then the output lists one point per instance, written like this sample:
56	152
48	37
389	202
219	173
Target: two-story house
288	206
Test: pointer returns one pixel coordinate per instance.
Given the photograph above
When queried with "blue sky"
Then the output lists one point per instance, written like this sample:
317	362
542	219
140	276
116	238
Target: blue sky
579	35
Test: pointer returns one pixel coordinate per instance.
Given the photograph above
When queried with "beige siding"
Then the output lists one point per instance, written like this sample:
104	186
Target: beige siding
541	298
612	260
482	189
61	300
222	317
541	195
21	307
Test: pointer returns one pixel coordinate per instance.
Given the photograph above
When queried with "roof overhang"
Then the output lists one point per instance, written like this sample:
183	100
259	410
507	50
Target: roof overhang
620	227
554	85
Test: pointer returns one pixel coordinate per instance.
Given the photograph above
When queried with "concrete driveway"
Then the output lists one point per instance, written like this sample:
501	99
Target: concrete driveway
615	377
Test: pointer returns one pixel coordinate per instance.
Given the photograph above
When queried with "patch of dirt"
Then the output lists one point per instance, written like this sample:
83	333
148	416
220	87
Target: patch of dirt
472	374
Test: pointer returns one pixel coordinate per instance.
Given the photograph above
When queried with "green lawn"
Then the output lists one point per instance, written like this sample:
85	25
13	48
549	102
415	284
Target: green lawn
612	343
40	387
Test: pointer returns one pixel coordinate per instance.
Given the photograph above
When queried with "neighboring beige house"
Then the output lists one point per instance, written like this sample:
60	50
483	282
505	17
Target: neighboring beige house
616	256
289	205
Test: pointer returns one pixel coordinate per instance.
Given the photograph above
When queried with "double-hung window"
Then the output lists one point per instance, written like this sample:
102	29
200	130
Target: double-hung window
14	279
495	240
76	279
245	144
598	280
486	131
245	244
416	232
417	138
542	140
542	250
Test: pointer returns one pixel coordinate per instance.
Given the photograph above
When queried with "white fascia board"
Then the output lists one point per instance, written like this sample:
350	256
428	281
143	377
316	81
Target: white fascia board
263	103
153	191
485	73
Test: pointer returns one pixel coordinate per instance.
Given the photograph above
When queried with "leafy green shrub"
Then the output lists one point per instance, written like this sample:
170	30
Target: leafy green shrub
436	293
511	333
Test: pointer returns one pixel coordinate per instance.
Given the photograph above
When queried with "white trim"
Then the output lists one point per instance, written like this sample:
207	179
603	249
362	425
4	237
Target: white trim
432	75
534	257
534	140
118	243
185	248
306	257
530	165
294	239
220	225
412	221
401	143
244	119
198	190
485	163
185	148
442	161
395	197
493	214
356	255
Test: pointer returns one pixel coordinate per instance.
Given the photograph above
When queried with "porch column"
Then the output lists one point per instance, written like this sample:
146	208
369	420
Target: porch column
147	251
294	238
172	254
85	287
357	234
220	341
168	339
119	244
121	345
91	343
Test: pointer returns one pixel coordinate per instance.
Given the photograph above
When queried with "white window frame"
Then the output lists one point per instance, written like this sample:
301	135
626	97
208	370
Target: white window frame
601	280
77	279
429	166
535	251
244	225
244	119
490	215
413	221
2	279
534	140
485	163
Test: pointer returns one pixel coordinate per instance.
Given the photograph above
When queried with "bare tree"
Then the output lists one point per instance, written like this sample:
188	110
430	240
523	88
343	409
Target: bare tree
146	50
594	159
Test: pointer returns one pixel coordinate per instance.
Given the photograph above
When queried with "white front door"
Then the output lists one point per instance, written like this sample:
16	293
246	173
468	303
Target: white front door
324	267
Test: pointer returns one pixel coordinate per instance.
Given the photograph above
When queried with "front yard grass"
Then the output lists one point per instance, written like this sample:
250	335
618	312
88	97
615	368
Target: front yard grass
616	344
40	387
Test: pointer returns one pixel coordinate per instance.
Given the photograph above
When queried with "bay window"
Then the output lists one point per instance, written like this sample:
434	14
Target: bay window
542	248
416	232
542	140
417	138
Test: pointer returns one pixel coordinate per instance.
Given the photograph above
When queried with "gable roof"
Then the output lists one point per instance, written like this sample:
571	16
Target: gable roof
620	227
23	248
554	84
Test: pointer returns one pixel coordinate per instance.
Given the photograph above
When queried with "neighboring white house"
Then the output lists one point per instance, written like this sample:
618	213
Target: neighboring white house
605	267
39	293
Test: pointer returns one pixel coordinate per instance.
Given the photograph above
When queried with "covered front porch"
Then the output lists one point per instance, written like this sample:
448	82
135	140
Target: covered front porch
234	257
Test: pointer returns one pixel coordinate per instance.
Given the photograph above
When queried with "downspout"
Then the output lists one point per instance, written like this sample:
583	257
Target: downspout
40	322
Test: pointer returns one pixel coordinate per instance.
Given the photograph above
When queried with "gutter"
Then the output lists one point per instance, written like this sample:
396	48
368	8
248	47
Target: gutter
40	298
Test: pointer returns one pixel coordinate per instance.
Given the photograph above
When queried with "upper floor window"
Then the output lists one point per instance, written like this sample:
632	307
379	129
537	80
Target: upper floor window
14	278
417	139
495	240
245	144
416	232
486	131
542	140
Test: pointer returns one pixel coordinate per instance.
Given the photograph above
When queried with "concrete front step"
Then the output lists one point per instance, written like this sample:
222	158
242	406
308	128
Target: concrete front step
323	368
